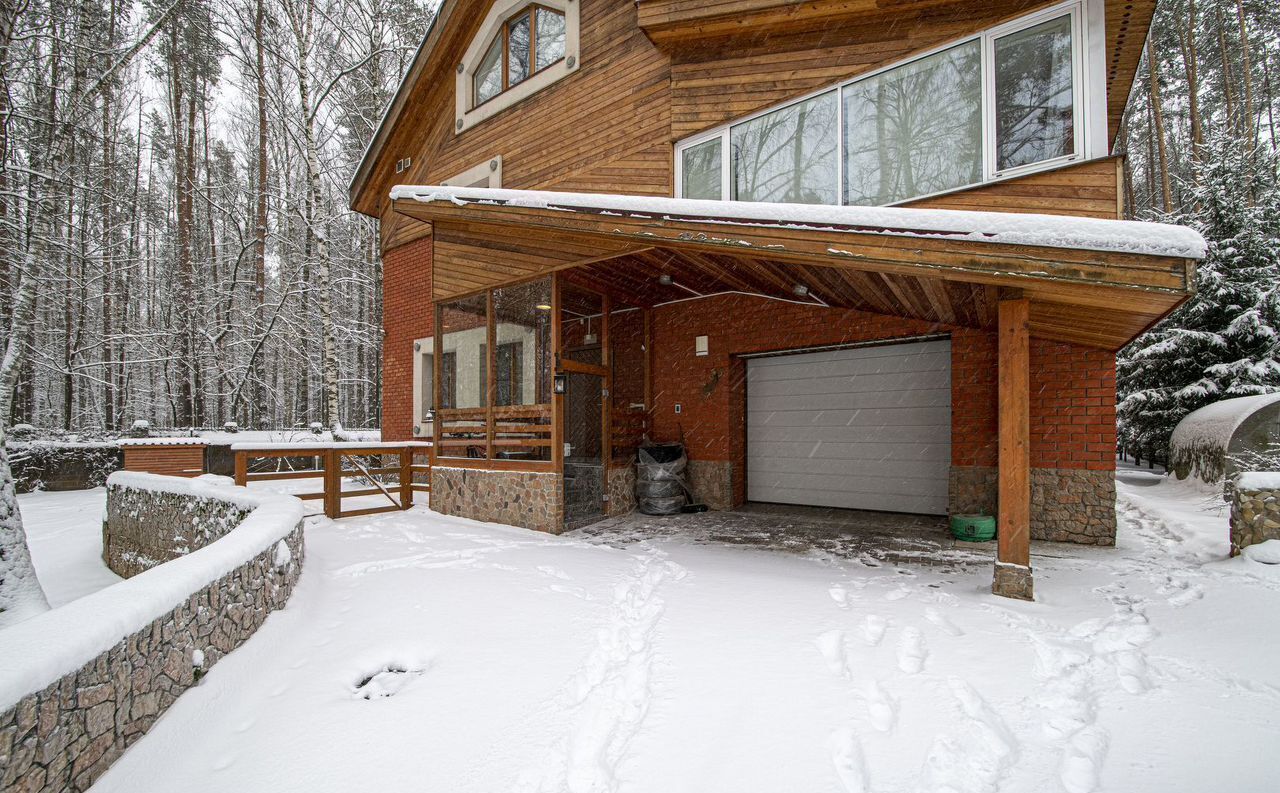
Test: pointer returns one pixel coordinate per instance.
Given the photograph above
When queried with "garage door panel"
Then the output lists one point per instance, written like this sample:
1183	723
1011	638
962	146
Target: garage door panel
771	472
860	428
882	502
887	383
850	400
853	420
804	441
775	369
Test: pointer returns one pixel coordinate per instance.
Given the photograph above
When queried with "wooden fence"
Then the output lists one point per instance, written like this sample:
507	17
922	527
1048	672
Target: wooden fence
334	463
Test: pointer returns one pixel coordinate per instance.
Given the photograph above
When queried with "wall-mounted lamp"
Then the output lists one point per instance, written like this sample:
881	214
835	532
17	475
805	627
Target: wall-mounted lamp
800	290
543	307
560	384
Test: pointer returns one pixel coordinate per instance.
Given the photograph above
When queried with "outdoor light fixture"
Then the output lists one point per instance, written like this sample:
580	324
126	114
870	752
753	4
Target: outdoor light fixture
559	384
543	307
800	290
666	280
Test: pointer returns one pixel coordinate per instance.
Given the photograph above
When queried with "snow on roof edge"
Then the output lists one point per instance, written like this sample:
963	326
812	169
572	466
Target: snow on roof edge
1052	231
39	651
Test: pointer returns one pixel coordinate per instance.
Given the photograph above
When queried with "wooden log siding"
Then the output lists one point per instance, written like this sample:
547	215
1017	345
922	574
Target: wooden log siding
610	126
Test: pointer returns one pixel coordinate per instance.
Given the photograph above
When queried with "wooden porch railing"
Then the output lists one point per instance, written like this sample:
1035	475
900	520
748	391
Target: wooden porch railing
333	463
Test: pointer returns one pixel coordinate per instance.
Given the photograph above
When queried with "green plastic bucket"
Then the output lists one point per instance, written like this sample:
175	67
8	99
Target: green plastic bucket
973	528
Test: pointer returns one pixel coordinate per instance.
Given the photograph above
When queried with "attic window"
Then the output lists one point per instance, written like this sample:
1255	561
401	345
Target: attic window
520	49
529	42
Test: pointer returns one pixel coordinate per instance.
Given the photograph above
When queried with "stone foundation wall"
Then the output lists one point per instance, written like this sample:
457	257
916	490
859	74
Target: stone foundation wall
144	528
64	736
529	499
1067	504
712	482
622	491
1255	517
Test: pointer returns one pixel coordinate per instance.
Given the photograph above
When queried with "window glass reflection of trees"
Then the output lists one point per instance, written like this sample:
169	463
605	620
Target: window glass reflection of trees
916	129
788	155
1034	102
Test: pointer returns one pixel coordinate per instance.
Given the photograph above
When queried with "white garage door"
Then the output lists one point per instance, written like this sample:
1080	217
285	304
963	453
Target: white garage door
859	428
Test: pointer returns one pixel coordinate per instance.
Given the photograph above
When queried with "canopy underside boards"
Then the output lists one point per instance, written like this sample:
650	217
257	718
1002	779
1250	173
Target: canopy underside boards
1093	298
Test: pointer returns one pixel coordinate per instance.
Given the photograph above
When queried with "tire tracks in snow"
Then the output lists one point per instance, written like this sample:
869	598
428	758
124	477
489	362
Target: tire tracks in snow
610	693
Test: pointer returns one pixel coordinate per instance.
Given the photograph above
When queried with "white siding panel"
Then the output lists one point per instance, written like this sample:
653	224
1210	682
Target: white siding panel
859	428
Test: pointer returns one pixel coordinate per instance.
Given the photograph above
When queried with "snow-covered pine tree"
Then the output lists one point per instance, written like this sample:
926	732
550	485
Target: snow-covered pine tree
1223	342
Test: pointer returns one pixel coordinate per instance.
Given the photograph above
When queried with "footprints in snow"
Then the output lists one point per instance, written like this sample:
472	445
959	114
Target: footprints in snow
610	693
873	628
911	651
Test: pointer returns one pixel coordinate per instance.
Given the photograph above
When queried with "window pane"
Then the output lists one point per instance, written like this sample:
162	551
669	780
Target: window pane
464	332
1034	94
522	369
788	155
700	171
550	37
488	79
916	129
518	50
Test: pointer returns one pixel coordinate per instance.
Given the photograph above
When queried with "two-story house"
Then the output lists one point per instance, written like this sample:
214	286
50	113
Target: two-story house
863	254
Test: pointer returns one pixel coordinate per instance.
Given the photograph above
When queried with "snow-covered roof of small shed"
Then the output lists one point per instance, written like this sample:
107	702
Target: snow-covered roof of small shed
1052	231
162	442
1213	425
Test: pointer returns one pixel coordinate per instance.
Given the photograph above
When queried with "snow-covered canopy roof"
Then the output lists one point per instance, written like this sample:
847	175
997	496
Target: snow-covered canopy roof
1051	231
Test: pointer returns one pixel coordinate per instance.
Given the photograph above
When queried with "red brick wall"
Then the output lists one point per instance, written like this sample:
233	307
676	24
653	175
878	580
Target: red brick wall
1072	401
406	313
1073	407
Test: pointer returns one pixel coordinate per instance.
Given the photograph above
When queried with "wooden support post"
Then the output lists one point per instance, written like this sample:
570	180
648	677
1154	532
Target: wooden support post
406	477
1013	559
332	483
242	468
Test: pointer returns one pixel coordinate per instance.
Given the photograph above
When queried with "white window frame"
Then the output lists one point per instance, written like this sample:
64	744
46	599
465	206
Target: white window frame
1089	84
423	349
466	112
1080	87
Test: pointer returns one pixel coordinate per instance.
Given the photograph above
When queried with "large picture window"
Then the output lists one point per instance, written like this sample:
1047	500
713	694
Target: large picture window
916	129
1001	103
789	155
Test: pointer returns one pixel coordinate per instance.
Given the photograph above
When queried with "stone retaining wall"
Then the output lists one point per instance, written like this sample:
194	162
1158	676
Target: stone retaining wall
65	735
529	499
1067	504
144	528
1255	517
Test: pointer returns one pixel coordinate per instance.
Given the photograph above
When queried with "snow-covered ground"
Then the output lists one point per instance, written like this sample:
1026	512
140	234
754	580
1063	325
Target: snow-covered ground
64	531
422	652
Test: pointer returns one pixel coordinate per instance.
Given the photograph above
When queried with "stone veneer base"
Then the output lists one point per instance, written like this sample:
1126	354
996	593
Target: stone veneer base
1255	518
528	499
712	482
65	736
1067	504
